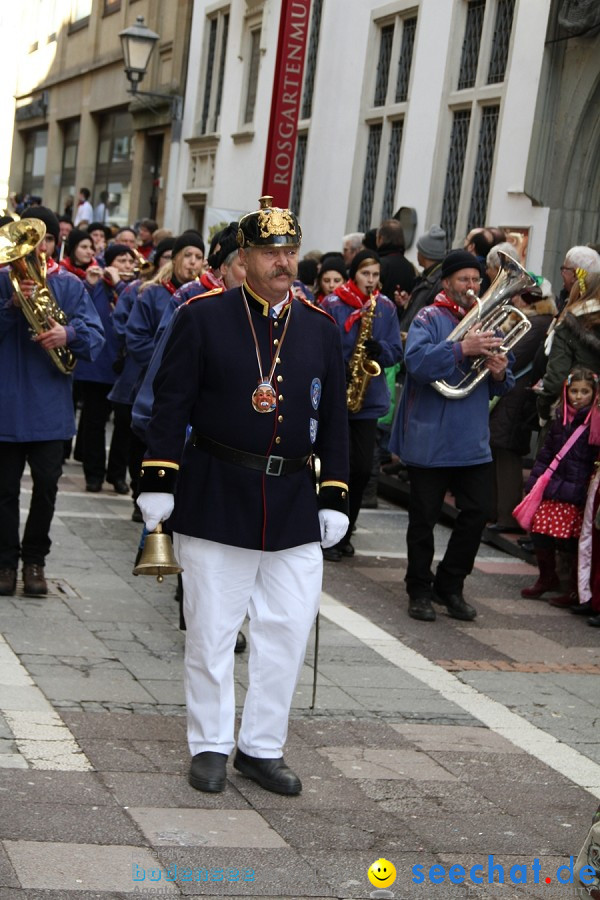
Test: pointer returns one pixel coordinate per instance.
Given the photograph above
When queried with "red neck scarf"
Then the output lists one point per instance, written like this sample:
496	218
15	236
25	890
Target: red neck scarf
211	281
51	266
169	286
76	270
350	294
445	302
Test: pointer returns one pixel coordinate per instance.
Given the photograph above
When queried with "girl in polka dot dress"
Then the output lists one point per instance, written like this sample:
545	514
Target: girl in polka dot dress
557	522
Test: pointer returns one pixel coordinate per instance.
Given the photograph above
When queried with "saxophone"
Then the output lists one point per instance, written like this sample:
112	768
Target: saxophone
18	241
361	368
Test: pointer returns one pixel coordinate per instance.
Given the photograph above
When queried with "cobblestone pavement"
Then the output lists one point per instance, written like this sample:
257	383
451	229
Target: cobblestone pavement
430	743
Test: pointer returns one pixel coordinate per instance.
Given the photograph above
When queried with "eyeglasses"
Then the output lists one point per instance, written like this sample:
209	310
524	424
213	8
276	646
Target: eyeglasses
467	280
567	269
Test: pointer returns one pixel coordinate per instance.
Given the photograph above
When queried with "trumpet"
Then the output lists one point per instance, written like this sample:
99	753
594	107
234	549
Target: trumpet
489	312
144	267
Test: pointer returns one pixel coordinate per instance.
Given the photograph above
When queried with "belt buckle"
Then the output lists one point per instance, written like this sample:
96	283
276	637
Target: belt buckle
274	465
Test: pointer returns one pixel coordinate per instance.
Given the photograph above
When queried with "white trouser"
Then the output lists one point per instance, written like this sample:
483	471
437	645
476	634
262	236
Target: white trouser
280	593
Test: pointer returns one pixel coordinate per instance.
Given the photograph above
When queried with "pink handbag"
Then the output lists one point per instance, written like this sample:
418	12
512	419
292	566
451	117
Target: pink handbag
528	506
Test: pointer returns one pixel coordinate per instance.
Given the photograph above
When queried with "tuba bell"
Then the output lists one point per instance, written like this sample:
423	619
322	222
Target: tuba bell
490	312
18	241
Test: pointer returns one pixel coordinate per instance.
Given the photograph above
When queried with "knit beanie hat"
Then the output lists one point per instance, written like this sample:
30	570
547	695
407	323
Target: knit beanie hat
227	241
162	247
335	264
459	259
432	245
47	216
188	239
114	250
363	258
98	226
76	236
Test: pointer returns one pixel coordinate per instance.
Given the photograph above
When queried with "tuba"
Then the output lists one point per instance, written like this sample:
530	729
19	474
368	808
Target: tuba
18	241
490	311
361	368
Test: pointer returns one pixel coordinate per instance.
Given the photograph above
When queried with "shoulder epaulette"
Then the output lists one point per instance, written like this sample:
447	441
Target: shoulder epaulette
323	312
203	296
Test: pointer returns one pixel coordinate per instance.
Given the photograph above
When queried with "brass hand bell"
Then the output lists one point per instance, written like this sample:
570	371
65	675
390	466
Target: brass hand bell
157	556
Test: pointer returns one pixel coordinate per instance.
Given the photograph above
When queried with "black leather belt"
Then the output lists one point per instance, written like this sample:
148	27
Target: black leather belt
270	465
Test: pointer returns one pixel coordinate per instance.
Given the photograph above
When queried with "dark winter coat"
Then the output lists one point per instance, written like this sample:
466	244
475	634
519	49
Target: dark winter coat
514	416
570	481
576	342
396	271
427	287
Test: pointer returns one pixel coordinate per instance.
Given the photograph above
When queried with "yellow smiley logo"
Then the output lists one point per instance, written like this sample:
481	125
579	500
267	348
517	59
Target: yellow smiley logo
382	873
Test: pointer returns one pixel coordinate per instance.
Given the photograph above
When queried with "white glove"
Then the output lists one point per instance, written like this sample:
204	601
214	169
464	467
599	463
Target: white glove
334	526
155	508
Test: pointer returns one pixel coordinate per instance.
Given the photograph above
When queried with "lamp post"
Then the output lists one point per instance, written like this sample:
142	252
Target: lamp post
138	42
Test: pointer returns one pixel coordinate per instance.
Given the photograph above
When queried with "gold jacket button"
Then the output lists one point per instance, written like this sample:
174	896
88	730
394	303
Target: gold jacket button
344	495
161	473
280	398
276	342
280	378
280	418
278	440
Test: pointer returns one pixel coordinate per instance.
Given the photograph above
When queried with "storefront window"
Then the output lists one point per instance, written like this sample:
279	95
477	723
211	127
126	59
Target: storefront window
112	186
34	169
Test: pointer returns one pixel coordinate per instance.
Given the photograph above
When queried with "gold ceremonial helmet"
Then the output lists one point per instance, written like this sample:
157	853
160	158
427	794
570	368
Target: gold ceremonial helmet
269	226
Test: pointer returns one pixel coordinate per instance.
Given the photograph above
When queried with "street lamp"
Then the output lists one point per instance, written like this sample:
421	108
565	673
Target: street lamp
138	42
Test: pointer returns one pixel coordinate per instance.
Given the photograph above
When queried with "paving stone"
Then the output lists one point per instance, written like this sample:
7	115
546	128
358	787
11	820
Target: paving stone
205	828
276	873
80	788
161	790
97	824
78	867
95	684
367	763
56	637
463	739
8	877
117	725
167	691
22	697
340	829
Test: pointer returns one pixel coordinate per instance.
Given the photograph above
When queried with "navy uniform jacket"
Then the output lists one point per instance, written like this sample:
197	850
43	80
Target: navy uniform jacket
208	374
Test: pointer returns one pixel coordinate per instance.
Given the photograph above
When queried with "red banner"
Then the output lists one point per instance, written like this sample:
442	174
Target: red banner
285	105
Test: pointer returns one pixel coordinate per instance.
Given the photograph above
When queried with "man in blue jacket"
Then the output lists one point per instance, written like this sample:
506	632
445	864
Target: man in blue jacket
445	441
36	410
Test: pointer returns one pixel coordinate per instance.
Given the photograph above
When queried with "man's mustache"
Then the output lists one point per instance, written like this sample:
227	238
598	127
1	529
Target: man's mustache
281	270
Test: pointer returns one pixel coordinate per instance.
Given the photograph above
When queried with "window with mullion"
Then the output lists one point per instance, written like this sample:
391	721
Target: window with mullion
370	177
455	170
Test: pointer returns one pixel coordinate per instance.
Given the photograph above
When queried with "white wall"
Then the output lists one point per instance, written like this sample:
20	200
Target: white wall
508	205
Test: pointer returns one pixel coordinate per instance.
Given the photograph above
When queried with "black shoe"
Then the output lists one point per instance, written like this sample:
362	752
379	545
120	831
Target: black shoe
240	642
582	609
526	544
594	621
34	581
8	582
136	515
93	486
272	774
346	549
332	554
120	486
421	608
207	772
457	606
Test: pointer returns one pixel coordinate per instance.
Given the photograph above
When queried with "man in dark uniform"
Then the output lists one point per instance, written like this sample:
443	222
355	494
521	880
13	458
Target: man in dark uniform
240	493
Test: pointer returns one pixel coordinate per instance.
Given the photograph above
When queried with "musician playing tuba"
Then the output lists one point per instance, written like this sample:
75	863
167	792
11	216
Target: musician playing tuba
444	439
36	403
371	343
